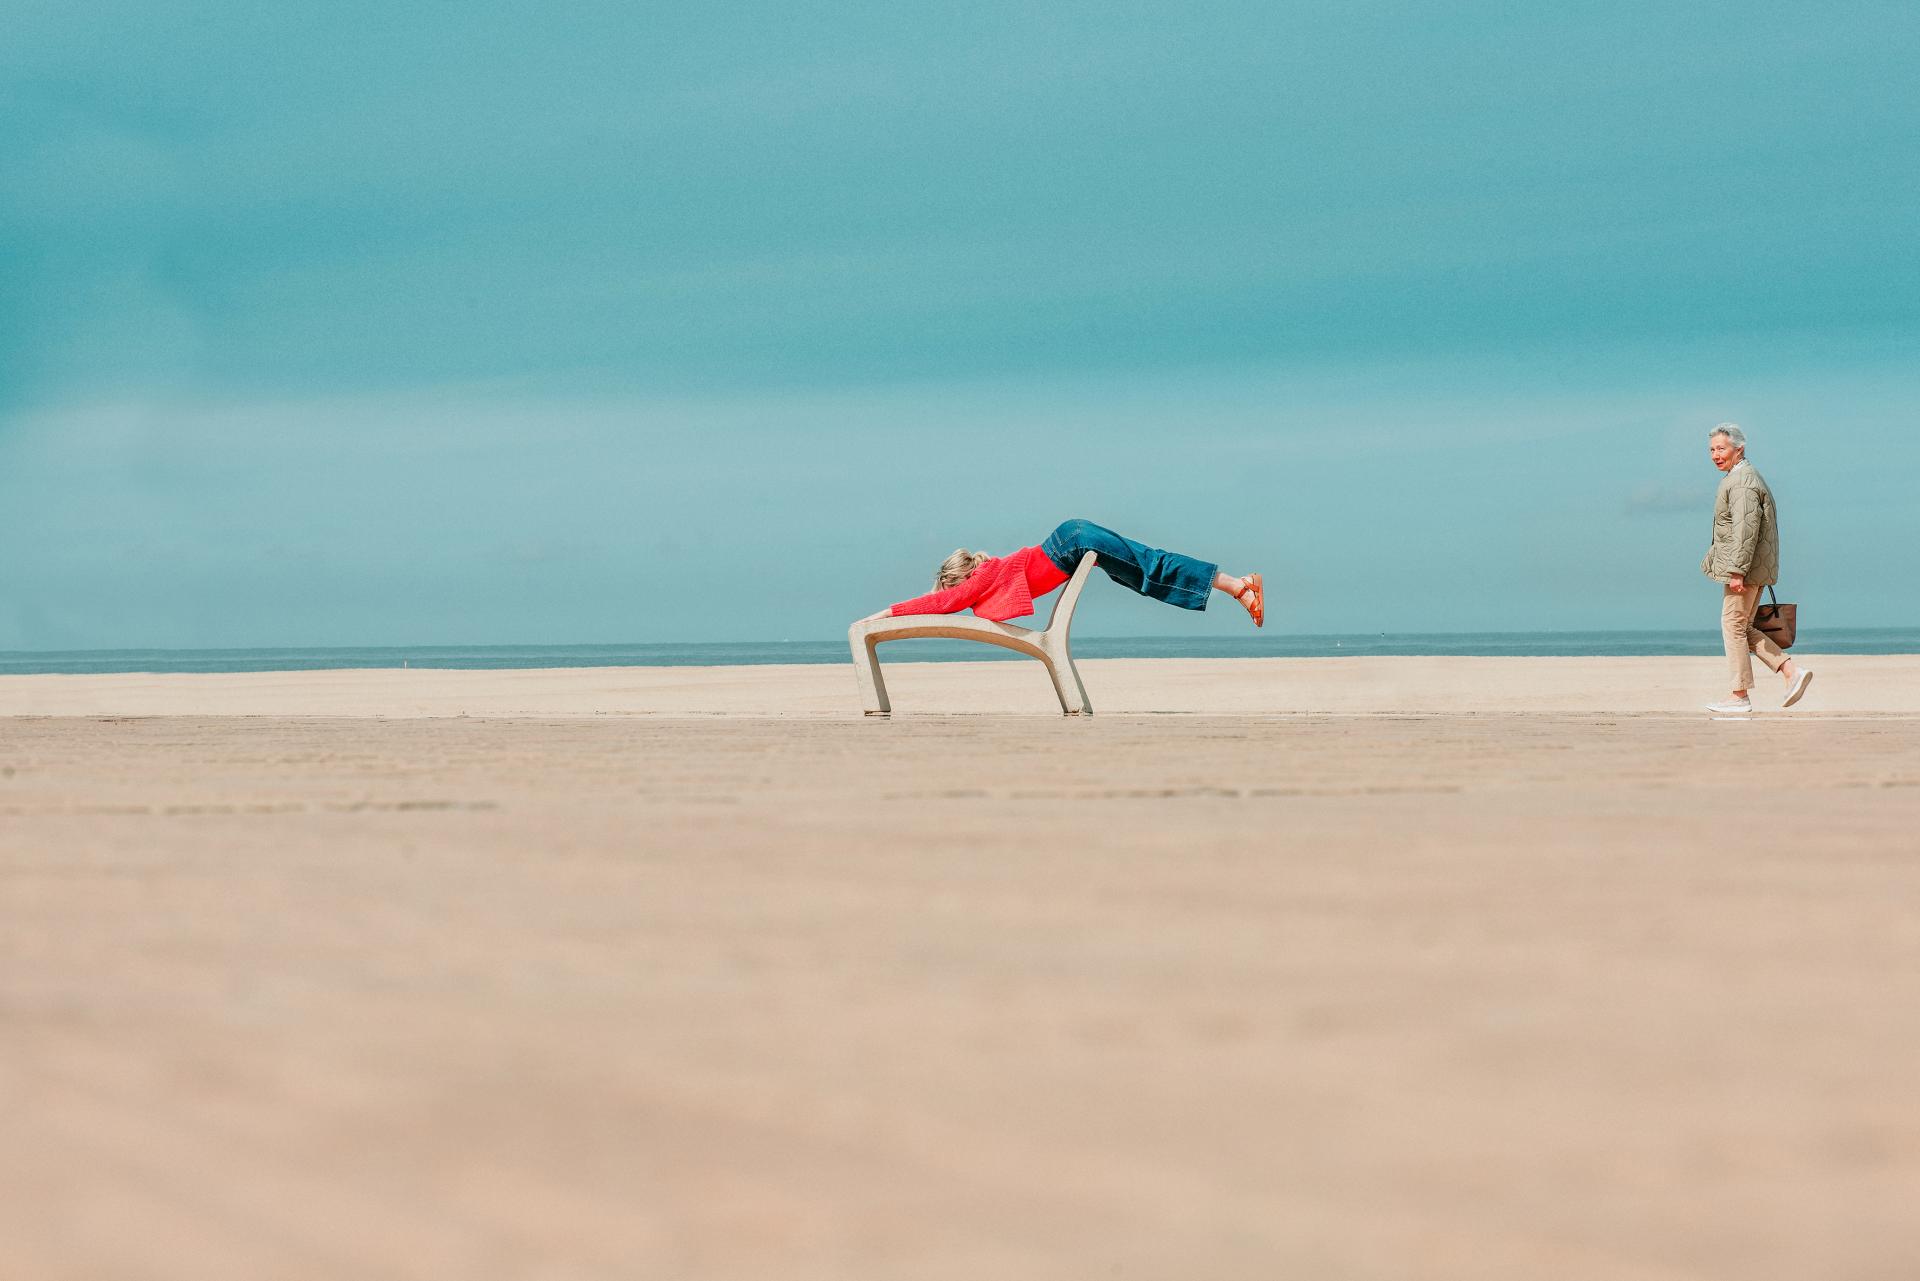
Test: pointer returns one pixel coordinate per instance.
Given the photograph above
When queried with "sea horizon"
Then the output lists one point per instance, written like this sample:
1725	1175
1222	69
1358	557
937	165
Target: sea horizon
1547	644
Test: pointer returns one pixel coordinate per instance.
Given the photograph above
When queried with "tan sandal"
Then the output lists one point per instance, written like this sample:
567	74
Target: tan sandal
1258	605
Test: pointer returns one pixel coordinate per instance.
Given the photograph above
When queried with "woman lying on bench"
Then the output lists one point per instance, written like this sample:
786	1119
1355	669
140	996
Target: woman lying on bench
1003	587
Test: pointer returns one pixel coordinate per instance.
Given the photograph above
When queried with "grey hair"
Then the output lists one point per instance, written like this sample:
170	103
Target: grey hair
1735	437
958	568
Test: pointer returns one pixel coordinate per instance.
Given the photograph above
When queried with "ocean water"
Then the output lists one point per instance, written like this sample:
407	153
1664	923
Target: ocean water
493	657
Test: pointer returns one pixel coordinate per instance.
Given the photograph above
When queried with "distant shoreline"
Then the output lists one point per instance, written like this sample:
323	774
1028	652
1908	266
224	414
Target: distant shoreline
1698	642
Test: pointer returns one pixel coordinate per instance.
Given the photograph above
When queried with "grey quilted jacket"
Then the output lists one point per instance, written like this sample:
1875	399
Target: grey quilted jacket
1746	530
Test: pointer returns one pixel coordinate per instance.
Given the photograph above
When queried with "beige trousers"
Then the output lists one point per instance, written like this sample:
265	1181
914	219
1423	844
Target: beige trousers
1736	628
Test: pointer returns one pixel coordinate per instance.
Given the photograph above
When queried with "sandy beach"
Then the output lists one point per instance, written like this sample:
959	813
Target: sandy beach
1876	684
1370	968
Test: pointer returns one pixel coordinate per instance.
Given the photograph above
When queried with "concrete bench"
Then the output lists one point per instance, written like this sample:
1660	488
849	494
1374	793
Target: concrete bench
1048	644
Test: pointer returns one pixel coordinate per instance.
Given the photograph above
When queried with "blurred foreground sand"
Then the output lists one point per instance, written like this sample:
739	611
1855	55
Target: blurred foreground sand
1503	995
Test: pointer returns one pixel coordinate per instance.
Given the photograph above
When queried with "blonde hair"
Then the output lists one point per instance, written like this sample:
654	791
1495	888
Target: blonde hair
958	568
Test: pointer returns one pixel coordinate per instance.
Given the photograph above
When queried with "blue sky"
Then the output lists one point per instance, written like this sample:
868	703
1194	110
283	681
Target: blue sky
478	324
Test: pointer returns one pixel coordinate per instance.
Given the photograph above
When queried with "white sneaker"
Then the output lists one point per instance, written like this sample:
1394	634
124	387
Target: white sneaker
1731	708
1798	687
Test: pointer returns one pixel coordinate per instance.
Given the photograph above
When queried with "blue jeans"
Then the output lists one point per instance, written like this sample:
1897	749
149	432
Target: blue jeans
1168	576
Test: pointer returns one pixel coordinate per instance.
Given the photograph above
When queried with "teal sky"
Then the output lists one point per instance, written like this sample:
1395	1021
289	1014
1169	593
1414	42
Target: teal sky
426	324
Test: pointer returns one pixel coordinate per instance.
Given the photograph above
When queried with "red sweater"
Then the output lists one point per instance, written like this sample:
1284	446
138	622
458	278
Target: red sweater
1002	588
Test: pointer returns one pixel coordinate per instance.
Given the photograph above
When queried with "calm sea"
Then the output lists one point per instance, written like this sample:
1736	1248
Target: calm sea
1493	644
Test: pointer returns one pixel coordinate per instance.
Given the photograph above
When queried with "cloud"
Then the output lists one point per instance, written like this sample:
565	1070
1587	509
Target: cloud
1668	499
280	204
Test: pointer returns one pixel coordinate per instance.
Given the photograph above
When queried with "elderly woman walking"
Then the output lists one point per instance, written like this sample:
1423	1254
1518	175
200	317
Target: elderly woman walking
1745	556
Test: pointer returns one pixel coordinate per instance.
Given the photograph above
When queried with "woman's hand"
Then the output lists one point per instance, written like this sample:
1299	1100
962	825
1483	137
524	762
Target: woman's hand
885	613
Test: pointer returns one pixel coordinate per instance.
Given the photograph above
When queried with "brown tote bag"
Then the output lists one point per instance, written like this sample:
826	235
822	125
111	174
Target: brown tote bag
1776	621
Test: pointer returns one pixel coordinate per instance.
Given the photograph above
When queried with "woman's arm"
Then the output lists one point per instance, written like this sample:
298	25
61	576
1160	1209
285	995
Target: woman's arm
950	601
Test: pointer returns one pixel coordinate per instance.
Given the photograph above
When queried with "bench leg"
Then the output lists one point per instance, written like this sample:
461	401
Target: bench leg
866	670
1067	684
